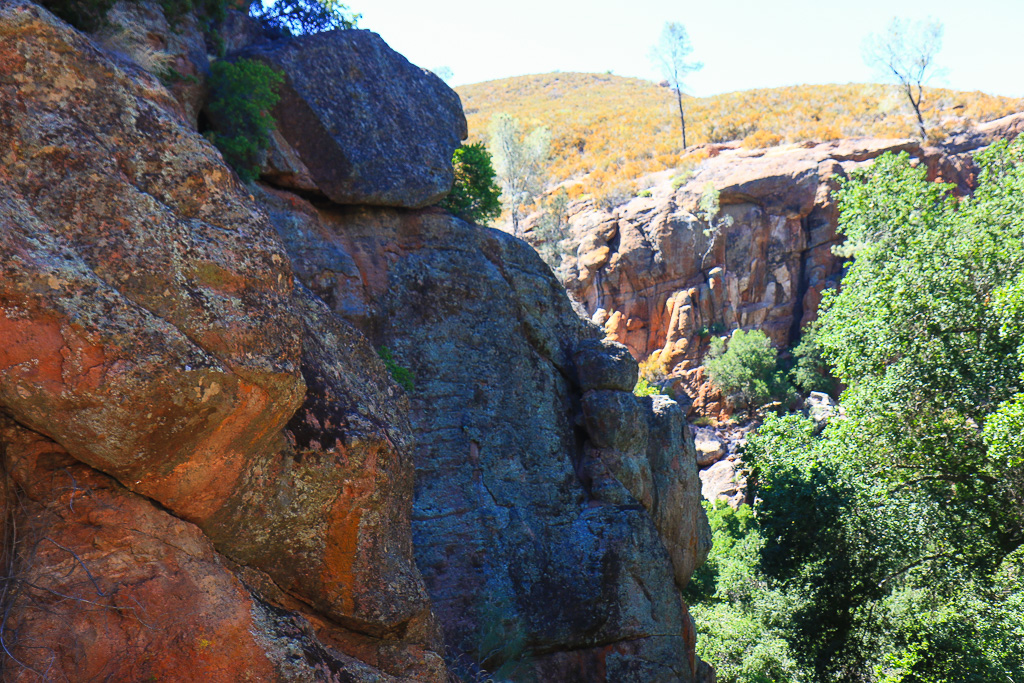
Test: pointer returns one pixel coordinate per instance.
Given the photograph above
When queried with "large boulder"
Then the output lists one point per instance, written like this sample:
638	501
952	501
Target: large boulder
367	126
548	550
154	339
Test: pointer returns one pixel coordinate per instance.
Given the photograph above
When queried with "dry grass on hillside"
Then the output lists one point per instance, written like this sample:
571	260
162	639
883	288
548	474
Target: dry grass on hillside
609	130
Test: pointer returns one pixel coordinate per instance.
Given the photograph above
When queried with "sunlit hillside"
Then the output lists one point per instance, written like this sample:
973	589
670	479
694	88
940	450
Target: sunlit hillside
608	130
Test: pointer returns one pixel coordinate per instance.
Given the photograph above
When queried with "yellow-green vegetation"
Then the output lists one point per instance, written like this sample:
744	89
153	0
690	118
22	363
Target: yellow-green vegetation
609	130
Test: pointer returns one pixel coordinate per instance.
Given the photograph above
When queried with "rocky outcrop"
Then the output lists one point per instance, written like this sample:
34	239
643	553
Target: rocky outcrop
662	276
360	122
161	364
207	468
556	515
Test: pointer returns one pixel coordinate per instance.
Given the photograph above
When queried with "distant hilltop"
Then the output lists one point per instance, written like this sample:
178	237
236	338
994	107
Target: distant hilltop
608	130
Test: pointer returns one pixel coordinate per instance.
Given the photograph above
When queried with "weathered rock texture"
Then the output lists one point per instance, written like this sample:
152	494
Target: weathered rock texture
647	272
556	515
185	415
207	472
363	124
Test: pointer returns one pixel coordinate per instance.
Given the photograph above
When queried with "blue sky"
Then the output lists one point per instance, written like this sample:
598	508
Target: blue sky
743	43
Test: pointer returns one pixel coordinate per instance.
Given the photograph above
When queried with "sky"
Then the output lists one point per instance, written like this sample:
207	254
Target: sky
743	43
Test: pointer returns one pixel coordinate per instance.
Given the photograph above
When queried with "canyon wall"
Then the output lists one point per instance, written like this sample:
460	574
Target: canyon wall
208	470
662	276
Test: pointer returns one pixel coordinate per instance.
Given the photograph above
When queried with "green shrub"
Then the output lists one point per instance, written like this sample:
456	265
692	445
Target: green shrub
475	196
644	388
746	369
682	179
303	16
242	94
644	193
403	376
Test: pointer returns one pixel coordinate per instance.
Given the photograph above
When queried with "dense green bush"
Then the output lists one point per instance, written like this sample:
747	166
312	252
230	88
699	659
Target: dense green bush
242	93
475	196
810	371
745	369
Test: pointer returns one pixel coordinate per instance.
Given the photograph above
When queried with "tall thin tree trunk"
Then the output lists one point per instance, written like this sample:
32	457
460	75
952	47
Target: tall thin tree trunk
682	117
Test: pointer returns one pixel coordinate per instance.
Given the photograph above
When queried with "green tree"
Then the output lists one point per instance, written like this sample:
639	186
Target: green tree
905	52
810	370
922	334
242	94
671	55
520	162
303	16
475	196
745	368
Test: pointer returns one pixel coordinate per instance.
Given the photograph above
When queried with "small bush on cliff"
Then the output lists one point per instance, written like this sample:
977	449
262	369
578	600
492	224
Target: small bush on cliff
745	369
403	376
475	196
242	94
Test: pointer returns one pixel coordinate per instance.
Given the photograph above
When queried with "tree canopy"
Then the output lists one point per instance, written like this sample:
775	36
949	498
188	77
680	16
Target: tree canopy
890	547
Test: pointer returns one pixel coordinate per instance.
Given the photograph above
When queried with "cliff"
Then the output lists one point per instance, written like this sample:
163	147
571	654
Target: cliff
662	279
210	474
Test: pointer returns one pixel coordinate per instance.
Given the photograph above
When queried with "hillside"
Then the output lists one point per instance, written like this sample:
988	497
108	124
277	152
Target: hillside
609	130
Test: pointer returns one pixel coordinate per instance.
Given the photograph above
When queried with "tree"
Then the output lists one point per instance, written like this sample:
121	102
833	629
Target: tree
905	53
242	95
924	334
475	197
303	16
520	162
746	368
670	54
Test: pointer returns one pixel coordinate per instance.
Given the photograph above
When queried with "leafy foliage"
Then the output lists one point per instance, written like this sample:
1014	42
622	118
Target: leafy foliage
922	331
242	93
475	196
303	16
810	370
609	130
644	388
745	368
889	547
403	376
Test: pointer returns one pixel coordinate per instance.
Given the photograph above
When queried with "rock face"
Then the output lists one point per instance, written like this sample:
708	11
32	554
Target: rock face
657	283
367	126
209	469
158	354
556	515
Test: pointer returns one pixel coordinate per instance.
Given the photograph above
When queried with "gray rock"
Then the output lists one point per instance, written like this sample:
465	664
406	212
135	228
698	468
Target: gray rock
603	364
724	481
535	538
615	419
370	127
820	407
710	448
